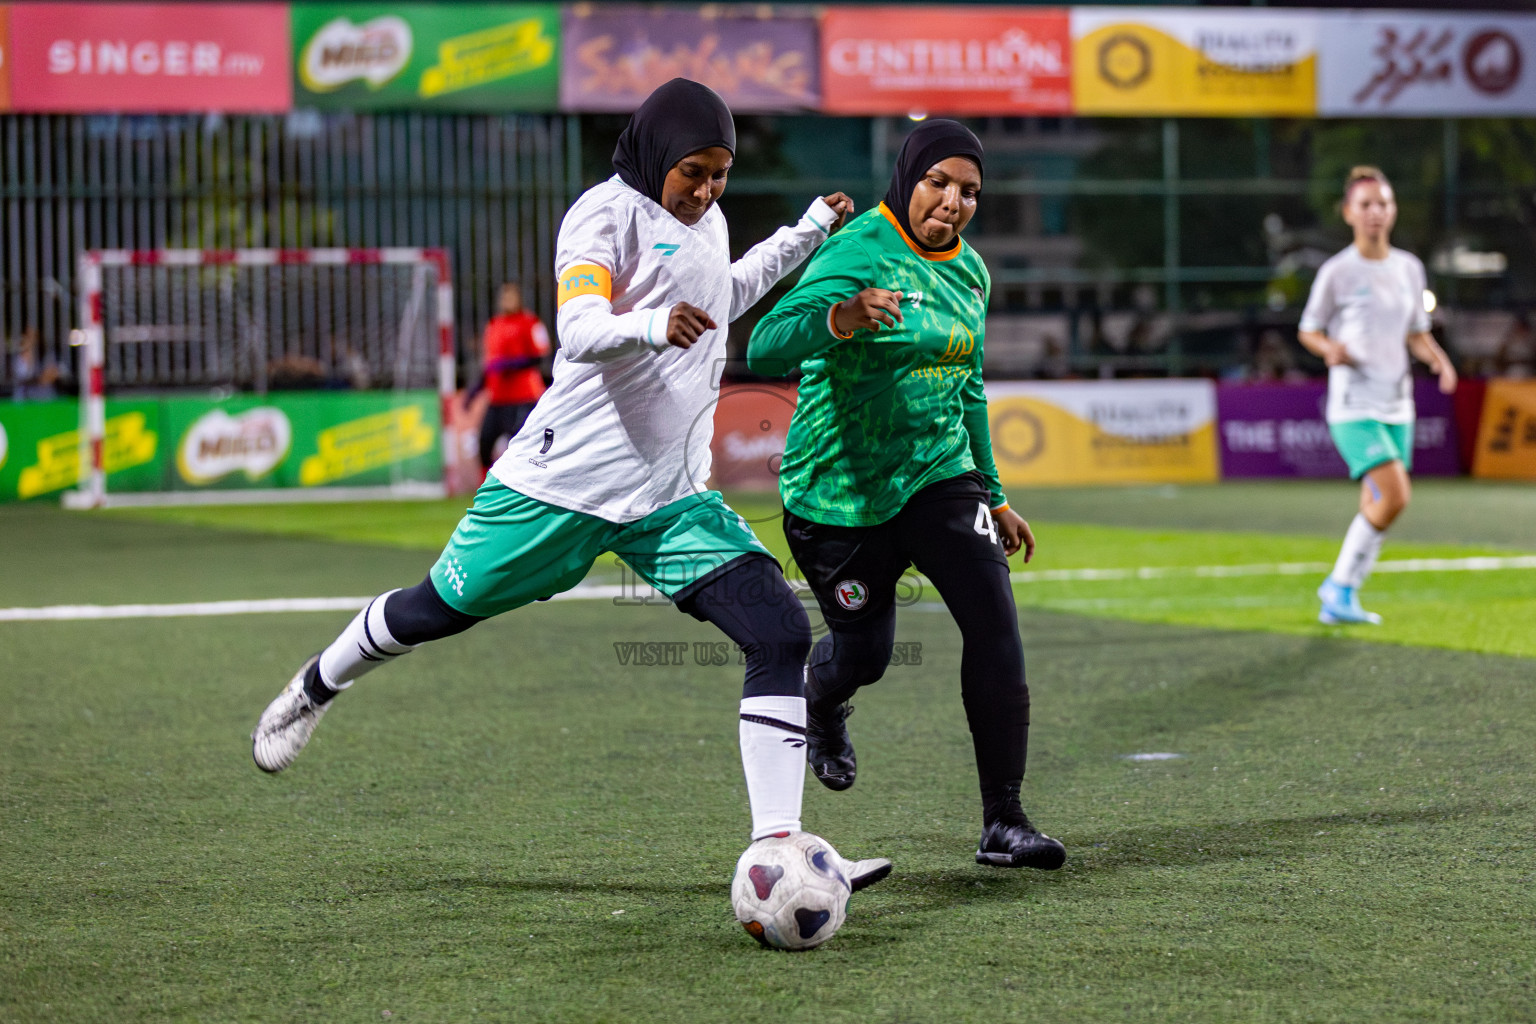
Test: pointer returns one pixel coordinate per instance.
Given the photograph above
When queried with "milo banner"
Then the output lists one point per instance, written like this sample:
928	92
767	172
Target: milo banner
441	57
295	439
1104	432
1174	61
1506	436
1270	430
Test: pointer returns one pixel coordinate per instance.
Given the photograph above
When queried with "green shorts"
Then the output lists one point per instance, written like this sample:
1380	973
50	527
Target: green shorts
1366	444
510	549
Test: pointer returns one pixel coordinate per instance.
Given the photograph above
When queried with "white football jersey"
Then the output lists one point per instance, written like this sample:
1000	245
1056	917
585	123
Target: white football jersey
1371	306
625	428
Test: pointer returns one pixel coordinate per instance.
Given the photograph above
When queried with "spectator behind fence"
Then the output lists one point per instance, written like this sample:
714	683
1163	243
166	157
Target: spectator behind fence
34	376
1517	351
512	351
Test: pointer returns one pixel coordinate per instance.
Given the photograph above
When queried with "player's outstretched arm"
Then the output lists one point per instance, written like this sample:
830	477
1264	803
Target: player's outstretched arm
766	263
800	325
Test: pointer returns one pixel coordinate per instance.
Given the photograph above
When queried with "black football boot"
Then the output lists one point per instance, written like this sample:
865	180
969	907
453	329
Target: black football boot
827	746
1007	844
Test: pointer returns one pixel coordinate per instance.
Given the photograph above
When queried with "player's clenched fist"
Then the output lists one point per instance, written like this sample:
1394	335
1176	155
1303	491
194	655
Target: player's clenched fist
841	205
870	310
686	324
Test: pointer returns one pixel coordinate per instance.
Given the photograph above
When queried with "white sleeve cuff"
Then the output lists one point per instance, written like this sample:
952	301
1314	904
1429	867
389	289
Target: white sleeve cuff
820	214
656	328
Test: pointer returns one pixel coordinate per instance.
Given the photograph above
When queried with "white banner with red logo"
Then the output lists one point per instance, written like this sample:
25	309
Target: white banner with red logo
1409	65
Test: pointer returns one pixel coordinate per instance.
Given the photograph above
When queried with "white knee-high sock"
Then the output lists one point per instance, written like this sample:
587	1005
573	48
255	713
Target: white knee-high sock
362	647
1357	556
773	757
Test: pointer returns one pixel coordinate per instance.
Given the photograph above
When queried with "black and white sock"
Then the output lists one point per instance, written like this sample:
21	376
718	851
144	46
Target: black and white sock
363	646
773	757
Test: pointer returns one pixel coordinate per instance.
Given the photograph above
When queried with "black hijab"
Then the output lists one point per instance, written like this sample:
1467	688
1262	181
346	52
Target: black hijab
679	118
929	143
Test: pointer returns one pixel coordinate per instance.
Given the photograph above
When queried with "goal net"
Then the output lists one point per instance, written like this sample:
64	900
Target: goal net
263	375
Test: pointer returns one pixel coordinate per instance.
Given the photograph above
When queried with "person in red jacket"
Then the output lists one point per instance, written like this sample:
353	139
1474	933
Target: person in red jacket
512	351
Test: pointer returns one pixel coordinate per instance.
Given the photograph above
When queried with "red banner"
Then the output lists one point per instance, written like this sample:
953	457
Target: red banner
751	421
5	59
949	60
147	58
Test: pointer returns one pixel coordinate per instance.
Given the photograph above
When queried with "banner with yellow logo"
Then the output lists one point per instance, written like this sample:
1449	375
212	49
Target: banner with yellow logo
1174	61
1104	432
1506	433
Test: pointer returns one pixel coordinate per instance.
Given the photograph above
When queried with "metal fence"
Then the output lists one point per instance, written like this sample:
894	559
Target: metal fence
491	189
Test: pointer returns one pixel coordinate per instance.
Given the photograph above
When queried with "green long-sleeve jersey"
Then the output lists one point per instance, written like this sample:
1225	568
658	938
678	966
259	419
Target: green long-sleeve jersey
881	414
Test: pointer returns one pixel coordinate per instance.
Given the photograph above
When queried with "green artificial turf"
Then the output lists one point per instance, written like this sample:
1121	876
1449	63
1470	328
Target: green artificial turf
513	826
1491	612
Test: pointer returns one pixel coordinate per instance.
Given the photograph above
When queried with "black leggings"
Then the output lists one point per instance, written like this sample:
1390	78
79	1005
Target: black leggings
747	598
945	531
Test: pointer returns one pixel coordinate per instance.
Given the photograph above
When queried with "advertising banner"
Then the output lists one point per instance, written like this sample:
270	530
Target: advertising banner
945	60
1410	64
1103	432
303	439
431	56
5	58
287	439
40	447
1270	430
1165	60
1506	437
751	423
616	54
148	58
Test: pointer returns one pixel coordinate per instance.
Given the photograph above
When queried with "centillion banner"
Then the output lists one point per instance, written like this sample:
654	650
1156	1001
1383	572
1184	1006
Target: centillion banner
1176	61
1104	432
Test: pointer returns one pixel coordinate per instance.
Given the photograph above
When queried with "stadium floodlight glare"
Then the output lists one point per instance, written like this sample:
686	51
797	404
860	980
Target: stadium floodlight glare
217	318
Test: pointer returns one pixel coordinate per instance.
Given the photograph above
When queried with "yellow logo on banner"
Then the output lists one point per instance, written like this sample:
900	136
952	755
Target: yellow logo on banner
1131	67
1035	441
357	446
487	56
127	444
1506	434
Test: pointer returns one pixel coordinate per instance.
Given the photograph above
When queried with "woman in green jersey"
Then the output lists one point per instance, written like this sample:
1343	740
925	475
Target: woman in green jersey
888	464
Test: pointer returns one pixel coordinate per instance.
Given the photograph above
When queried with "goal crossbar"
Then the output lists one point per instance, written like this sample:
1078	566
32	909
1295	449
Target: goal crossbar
90	338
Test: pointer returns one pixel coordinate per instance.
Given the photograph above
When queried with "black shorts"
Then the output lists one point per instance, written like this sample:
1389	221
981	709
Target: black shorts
856	571
500	421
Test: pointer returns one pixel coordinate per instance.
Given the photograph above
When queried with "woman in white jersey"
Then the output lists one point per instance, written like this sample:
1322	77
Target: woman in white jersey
1364	316
615	456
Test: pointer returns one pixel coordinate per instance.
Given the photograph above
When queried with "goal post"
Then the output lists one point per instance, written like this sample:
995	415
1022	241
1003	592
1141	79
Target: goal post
366	333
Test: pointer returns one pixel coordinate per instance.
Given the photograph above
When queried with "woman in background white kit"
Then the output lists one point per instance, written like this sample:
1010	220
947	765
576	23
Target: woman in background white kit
1365	314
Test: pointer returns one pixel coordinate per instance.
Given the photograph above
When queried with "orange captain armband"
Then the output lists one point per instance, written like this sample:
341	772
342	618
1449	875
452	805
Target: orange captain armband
584	279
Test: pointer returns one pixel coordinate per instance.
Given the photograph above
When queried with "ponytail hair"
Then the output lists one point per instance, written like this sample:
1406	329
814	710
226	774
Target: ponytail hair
1363	172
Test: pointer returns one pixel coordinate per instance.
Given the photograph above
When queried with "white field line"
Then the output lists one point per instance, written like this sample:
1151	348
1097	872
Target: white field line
1158	572
76	612
590	592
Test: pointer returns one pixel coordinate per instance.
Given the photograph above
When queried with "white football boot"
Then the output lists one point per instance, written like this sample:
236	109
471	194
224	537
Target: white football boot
863	873
287	724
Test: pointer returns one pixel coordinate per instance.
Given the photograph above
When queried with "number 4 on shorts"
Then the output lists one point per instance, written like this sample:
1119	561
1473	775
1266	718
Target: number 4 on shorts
984	523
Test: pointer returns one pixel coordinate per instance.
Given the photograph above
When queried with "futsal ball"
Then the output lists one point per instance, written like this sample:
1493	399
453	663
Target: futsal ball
790	892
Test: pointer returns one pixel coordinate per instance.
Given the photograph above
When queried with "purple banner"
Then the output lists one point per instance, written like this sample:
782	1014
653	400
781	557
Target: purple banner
614	55
1278	430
